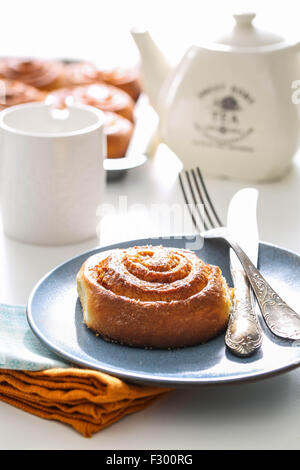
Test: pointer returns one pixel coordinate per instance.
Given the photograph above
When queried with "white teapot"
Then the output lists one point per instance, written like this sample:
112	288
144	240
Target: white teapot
227	107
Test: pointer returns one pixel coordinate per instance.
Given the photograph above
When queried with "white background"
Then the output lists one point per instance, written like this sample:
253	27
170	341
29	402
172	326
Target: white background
99	30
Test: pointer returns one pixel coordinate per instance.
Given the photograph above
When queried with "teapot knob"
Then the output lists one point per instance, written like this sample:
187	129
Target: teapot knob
244	19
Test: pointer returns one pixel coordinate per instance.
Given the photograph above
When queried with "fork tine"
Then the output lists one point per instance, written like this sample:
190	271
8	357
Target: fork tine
196	193
196	201
207	215
188	203
193	202
208	198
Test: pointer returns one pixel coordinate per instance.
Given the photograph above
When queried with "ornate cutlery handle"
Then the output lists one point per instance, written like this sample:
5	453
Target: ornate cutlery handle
280	318
243	336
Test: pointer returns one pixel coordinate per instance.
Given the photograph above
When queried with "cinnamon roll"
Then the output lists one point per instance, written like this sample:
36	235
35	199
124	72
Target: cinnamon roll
118	132
42	74
79	73
153	296
126	79
13	92
100	95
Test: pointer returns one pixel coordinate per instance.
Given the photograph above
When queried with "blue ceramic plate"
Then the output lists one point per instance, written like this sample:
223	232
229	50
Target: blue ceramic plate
55	316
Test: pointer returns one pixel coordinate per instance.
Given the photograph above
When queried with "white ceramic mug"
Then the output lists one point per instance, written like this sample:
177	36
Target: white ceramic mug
52	175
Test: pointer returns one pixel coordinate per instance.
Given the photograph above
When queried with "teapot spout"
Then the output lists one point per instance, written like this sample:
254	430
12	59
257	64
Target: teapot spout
154	66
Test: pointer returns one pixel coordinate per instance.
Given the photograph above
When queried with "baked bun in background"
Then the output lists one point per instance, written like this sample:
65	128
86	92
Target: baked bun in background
153	296
13	92
79	73
42	74
99	95
118	131
125	78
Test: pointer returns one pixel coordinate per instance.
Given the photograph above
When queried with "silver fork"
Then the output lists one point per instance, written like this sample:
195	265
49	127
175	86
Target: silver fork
281	319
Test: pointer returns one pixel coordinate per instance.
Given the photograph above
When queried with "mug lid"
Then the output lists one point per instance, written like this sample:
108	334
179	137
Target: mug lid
245	34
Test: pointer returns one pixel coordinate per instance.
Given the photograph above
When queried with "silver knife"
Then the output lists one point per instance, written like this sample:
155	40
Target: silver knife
244	335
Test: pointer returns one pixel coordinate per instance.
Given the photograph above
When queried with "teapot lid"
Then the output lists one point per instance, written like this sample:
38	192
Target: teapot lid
245	34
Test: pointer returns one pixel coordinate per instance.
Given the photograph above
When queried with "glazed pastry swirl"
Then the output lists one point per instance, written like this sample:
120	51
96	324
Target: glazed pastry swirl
153	297
118	132
42	74
79	73
149	274
99	95
126	79
14	92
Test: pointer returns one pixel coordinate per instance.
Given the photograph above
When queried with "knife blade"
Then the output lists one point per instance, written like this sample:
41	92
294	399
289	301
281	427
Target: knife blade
243	336
242	224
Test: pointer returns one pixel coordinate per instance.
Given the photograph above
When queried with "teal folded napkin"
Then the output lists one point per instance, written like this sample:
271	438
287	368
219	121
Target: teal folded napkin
20	349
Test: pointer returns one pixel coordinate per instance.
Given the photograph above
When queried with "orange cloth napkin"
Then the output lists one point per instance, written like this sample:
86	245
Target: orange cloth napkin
88	400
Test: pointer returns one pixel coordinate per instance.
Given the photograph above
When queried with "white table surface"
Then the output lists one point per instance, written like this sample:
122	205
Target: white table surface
260	415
